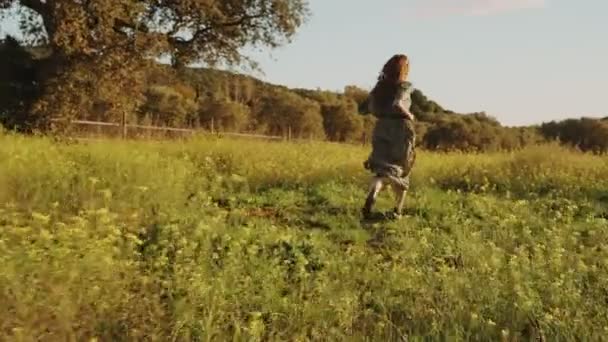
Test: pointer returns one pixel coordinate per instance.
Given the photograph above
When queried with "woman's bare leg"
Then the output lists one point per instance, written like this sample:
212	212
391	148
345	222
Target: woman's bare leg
374	189
400	193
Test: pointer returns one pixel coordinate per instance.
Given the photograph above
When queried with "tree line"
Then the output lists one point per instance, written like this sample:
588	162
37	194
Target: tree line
98	60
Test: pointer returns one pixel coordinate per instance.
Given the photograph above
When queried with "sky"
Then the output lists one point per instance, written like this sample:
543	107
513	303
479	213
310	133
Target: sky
521	61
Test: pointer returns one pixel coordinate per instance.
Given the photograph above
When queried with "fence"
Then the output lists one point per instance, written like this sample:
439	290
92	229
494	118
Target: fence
125	131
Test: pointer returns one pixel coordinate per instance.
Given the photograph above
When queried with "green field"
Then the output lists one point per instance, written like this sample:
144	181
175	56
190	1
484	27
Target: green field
218	239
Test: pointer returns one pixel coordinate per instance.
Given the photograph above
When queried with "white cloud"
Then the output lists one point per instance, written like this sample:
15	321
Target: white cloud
434	8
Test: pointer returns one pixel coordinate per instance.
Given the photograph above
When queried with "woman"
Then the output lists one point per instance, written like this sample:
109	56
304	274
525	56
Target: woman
392	156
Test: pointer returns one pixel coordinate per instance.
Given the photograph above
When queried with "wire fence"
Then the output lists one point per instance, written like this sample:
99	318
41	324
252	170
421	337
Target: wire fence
97	130
101	129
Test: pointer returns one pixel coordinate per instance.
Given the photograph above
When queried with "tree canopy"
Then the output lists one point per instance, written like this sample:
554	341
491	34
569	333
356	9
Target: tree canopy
210	31
100	50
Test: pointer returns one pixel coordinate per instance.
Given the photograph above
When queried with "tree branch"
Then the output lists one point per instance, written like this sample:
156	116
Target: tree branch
44	9
120	25
36	6
198	34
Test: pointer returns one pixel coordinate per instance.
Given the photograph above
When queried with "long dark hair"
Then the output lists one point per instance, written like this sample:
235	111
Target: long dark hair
393	73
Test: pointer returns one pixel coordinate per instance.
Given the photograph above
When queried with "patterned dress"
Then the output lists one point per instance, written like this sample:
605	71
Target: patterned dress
393	139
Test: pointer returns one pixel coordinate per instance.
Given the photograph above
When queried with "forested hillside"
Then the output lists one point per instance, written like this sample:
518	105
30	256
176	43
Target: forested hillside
205	98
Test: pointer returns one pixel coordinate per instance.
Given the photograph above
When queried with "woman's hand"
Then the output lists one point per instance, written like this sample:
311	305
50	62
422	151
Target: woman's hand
412	117
405	112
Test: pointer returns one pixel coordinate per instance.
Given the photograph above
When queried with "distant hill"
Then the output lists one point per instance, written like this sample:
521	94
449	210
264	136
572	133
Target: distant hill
438	128
225	101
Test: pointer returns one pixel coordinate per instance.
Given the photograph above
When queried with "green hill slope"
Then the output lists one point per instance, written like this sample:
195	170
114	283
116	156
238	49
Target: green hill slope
228	102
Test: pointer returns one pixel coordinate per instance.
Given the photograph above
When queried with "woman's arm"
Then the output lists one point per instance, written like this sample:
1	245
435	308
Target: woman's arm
405	111
403	101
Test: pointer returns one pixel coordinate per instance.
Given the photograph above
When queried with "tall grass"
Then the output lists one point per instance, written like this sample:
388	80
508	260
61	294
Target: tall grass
217	239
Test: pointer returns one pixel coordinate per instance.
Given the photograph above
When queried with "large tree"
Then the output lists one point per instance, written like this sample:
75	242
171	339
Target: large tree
17	86
100	47
208	30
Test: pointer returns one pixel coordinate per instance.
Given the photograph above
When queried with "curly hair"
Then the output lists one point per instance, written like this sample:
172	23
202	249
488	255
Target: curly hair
394	72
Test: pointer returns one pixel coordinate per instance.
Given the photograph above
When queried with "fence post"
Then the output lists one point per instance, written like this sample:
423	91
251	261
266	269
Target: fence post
123	125
212	125
289	133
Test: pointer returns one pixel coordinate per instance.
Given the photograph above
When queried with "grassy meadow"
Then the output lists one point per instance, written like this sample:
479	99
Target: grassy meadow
219	239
